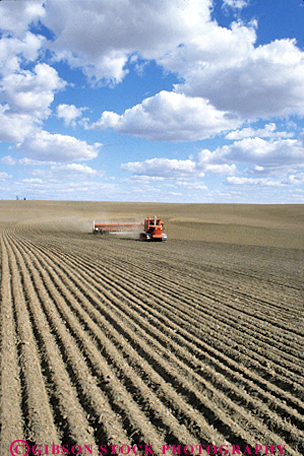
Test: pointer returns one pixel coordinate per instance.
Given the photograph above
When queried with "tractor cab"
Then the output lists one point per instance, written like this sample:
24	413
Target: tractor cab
153	229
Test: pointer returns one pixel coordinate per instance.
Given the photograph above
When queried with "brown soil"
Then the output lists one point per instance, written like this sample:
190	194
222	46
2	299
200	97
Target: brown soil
197	341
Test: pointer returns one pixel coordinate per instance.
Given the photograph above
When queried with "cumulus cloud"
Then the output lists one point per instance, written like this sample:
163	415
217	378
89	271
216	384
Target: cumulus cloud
251	182
161	167
16	16
32	181
264	157
23	124
25	98
14	50
225	80
236	4
51	187
31	162
8	160
25	94
120	29
294	179
192	185
69	114
264	81
45	146
31	91
27	86
221	66
4	176
271	154
176	169
169	116
269	131
69	171
76	170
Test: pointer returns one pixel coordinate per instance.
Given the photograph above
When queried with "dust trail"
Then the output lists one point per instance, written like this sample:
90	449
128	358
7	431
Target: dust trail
127	235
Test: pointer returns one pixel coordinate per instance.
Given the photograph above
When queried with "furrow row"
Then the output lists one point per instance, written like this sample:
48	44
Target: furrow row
38	408
230	299
91	389
11	416
202	328
70	414
179	434
112	299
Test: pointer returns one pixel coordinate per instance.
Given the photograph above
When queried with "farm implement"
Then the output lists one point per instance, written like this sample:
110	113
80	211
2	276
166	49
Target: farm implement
150	230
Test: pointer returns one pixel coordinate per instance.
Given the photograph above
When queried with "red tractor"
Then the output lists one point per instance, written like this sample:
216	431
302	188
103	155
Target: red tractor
152	228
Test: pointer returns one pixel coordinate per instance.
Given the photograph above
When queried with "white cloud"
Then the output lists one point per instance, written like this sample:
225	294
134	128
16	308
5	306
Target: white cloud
76	170
217	168
49	187
269	131
162	167
248	181
45	146
13	50
69	171
69	113
220	65
16	16
31	162
166	168
276	157
23	125
236	4
225	81
295	179
8	160
32	181
255	83
25	94
270	156
4	176
31	91
192	185
169	116
119	29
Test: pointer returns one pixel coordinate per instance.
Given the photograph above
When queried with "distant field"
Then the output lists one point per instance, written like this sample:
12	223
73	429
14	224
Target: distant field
108	340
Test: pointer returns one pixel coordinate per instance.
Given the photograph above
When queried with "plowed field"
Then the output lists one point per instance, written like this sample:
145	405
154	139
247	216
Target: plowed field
109	341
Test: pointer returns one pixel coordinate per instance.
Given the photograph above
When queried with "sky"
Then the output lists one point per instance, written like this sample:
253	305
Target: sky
184	101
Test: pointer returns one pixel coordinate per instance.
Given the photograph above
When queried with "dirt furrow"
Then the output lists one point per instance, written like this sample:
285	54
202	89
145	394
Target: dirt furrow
11	416
115	280
199	307
39	412
151	303
208	286
186	269
274	356
213	309
66	271
237	301
158	343
70	415
105	379
128	376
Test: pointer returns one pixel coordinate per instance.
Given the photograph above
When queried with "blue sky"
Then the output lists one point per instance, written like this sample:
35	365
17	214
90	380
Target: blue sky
191	101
